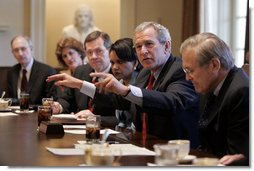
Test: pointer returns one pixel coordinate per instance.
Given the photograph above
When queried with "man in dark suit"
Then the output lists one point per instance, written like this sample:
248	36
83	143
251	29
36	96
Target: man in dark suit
97	46
170	109
224	125
35	73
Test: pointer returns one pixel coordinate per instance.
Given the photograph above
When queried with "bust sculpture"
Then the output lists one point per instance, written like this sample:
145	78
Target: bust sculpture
83	24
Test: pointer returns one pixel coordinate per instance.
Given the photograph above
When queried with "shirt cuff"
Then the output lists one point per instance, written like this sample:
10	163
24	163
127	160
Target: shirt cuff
135	95
88	89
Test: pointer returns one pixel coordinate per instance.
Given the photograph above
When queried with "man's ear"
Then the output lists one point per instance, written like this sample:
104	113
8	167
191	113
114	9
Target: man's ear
216	65
167	46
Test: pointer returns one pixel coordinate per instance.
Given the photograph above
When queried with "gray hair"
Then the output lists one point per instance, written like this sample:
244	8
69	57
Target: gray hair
208	46
163	34
28	39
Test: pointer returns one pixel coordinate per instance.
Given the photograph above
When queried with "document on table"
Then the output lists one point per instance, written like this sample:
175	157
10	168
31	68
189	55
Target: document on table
66	151
74	126
65	116
123	149
82	131
2	114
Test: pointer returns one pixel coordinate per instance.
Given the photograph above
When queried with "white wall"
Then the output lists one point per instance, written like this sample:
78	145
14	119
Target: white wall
60	13
11	24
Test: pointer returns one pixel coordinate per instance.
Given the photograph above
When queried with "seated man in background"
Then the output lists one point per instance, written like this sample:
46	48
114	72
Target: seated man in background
224	125
28	75
97	46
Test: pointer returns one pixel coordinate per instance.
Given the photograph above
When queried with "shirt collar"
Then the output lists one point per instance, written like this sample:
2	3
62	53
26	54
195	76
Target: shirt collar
217	90
157	73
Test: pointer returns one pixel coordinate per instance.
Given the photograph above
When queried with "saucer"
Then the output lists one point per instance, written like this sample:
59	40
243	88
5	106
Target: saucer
187	159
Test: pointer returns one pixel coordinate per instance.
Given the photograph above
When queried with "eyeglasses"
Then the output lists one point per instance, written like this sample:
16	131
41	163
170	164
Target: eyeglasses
96	51
188	71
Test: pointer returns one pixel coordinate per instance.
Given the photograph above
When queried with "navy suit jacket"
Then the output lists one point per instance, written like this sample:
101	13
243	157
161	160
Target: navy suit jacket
38	88
228	126
173	107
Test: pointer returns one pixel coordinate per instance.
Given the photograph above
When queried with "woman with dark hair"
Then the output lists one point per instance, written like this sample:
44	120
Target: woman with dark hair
70	53
124	66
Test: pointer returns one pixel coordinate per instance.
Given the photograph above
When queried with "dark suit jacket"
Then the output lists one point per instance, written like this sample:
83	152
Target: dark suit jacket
172	109
37	85
228	127
72	100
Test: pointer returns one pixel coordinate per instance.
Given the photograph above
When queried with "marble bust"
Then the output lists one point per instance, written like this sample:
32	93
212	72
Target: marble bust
82	26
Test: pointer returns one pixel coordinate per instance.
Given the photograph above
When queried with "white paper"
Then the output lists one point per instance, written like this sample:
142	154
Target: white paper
74	126
23	112
64	116
123	149
2	114
14	107
66	151
76	131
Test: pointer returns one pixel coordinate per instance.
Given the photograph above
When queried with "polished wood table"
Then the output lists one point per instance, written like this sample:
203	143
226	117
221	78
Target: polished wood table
21	144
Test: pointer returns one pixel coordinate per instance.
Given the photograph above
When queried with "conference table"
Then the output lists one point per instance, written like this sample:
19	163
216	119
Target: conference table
22	144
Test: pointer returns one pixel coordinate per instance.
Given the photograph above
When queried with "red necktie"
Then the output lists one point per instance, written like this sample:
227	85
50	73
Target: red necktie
89	105
24	81
144	131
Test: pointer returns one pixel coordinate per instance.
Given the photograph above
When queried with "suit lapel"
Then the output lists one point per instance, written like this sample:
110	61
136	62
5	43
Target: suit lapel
33	76
219	99
15	80
163	72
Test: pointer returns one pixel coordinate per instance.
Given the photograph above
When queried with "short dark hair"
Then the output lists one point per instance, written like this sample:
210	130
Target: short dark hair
96	34
124	49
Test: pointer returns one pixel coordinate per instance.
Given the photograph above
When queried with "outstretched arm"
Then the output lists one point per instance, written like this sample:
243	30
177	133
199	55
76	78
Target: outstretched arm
110	84
65	80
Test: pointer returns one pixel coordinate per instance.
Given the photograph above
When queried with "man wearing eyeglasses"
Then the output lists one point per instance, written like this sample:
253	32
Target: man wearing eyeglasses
28	75
97	46
224	124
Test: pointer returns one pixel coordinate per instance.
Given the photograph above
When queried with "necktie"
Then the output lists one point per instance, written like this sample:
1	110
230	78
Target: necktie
144	130
90	100
204	118
24	81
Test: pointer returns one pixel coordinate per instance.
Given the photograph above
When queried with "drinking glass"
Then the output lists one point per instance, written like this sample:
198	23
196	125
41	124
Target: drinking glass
24	102
93	123
44	114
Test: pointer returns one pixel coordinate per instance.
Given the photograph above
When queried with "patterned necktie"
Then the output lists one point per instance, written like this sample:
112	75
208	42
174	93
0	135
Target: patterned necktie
24	81
204	118
144	130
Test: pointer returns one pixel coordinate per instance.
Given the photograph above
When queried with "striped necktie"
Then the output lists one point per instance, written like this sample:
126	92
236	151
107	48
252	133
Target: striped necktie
24	81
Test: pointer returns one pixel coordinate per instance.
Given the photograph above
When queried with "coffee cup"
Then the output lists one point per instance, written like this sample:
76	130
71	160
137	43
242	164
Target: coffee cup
166	154
5	103
184	147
